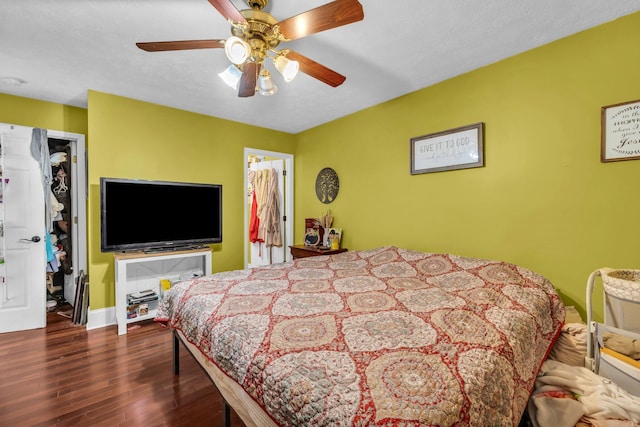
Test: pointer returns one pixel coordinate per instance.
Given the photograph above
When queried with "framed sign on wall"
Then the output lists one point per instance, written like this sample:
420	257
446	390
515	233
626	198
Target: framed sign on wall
459	148
620	132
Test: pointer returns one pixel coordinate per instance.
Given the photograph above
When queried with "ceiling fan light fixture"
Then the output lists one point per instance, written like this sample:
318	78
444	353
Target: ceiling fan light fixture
266	87
231	76
255	35
237	50
286	67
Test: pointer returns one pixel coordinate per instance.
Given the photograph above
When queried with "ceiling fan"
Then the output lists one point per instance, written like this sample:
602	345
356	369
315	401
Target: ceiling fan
255	36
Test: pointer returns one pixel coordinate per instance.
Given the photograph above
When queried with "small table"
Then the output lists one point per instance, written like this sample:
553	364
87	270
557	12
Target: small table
302	251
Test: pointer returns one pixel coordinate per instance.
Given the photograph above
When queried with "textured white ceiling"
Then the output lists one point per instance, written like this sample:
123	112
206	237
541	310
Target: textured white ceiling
63	48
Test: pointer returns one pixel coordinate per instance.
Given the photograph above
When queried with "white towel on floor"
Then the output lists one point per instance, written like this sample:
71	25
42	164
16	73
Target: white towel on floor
599	397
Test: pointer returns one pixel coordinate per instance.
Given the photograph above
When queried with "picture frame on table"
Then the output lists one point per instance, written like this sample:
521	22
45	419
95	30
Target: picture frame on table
330	233
458	148
620	134
312	237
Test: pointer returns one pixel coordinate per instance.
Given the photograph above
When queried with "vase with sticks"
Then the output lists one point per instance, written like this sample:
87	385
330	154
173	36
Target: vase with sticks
325	222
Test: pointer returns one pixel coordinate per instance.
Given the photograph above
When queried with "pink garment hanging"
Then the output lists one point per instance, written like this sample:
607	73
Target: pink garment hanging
255	221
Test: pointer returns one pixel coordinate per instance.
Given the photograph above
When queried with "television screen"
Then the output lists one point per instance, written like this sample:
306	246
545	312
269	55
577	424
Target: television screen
136	214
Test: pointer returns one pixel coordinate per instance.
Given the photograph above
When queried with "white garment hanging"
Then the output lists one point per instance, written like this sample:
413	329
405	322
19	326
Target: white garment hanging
40	152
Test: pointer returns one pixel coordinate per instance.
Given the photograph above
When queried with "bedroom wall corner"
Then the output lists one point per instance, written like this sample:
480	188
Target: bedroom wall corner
543	200
48	115
140	140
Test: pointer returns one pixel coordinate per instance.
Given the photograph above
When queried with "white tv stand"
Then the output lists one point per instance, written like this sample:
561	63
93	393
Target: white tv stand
139	271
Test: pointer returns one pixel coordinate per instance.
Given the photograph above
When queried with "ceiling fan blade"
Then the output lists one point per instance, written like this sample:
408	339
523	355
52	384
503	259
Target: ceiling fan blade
180	45
325	17
316	70
228	10
248	80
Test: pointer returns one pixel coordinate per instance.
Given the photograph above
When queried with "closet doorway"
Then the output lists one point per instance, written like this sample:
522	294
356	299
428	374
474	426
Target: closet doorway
258	253
68	187
25	290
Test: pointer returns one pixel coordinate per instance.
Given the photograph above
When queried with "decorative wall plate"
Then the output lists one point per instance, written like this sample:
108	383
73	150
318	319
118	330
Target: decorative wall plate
327	185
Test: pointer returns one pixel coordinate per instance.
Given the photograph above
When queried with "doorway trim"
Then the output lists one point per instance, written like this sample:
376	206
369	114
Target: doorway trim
78	206
288	197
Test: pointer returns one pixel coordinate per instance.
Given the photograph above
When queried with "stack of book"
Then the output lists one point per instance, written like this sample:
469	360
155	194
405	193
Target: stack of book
142	297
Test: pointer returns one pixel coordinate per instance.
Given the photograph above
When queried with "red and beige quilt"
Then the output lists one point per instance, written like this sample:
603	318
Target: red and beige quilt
386	337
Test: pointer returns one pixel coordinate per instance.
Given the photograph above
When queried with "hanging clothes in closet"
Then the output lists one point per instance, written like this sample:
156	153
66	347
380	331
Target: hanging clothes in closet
273	234
40	151
60	160
264	227
254	222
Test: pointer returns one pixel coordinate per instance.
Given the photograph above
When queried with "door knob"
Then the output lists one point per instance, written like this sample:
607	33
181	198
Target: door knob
34	239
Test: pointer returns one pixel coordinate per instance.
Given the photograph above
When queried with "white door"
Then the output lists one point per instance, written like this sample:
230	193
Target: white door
260	254
23	290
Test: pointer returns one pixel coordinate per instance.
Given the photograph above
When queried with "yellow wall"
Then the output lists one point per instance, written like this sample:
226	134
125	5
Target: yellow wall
544	200
16	110
133	139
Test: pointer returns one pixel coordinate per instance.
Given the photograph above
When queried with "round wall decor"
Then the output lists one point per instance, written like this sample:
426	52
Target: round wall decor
327	185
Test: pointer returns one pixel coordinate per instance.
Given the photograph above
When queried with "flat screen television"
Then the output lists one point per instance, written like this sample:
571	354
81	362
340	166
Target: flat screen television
158	215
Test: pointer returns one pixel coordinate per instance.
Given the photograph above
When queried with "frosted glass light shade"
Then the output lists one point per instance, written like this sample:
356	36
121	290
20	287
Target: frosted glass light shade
231	76
266	86
237	50
286	67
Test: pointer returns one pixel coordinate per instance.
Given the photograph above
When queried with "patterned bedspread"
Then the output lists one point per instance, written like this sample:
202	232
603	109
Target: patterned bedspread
387	337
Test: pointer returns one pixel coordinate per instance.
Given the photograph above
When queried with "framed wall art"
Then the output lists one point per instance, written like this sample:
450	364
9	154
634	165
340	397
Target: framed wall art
327	185
459	148
620	132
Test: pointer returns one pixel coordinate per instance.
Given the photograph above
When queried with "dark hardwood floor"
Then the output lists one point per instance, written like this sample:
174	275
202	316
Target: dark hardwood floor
64	375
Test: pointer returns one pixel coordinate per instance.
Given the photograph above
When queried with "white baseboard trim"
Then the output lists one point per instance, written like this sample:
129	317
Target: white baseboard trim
101	317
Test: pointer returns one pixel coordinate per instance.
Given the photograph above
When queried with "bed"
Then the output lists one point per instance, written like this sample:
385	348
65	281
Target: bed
387	337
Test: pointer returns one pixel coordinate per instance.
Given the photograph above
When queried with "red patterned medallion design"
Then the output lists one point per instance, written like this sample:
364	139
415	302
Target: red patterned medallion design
386	337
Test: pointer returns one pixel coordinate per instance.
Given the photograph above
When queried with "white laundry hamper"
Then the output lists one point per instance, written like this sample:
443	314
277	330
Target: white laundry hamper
621	317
